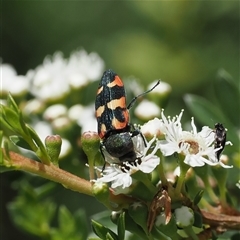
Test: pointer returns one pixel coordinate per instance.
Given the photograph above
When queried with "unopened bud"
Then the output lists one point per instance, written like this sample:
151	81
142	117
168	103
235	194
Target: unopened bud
184	217
90	142
53	145
101	192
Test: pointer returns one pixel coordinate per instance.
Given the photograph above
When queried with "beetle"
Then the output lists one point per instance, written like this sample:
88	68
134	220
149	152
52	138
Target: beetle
112	115
220	138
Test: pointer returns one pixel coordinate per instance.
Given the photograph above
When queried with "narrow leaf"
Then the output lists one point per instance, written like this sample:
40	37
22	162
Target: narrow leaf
41	151
198	197
197	220
102	231
11	118
20	142
12	104
121	226
36	138
203	110
228	96
110	237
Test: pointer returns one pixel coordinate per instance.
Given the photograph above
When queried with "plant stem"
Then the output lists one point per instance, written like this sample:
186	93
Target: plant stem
183	170
189	231
50	172
161	172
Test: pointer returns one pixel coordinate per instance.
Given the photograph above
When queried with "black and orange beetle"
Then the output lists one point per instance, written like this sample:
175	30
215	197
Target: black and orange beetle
112	116
220	139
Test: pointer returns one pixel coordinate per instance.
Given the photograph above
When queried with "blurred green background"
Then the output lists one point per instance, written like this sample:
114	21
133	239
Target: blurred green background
183	43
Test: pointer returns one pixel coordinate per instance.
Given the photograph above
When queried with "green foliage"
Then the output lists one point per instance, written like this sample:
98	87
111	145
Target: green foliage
225	109
71	226
34	212
198	197
228	97
103	232
12	119
168	231
183	43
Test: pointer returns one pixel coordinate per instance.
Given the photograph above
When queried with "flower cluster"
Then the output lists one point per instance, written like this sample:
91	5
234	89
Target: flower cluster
48	86
57	75
197	149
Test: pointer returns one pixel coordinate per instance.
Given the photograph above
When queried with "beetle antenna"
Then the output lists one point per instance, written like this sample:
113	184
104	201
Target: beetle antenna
140	95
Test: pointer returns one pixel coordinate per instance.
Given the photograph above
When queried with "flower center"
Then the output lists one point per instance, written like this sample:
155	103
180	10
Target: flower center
193	146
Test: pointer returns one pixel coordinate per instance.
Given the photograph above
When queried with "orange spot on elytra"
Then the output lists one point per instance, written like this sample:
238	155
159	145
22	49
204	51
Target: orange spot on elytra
117	81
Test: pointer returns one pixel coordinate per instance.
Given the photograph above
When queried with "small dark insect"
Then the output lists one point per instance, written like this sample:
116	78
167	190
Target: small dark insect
220	139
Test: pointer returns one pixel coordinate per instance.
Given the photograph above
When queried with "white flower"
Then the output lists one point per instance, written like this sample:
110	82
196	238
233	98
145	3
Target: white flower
11	82
120	174
33	106
147	110
83	68
66	148
49	81
162	88
152	127
75	112
87	120
197	147
55	111
56	76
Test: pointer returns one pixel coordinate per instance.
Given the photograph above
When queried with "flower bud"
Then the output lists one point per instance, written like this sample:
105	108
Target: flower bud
184	217
115	216
101	192
90	142
53	145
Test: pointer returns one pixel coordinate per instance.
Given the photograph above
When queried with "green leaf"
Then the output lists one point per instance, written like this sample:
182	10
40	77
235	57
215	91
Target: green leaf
1	137
168	230
71	226
198	197
12	104
19	141
32	216
41	151
102	231
66	222
81	223
121	226
207	113
228	96
109	236
139	214
204	111
11	118
197	220
133	227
